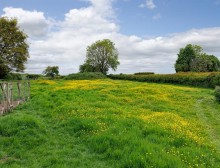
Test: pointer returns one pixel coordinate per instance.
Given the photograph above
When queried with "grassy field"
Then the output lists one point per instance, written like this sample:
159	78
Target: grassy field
106	123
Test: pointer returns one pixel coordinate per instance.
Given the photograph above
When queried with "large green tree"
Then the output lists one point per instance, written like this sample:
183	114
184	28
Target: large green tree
185	56
191	58
205	63
100	56
13	47
51	71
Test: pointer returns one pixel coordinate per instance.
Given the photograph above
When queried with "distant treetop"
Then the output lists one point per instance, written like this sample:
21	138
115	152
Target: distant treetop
192	59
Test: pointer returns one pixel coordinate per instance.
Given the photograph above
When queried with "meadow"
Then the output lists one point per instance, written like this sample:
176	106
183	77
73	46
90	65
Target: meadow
112	123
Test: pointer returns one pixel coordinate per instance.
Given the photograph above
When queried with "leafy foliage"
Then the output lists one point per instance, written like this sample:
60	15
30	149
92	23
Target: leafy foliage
85	76
51	71
185	56
205	63
4	70
191	58
13	47
144	73
13	76
33	76
208	80
100	56
87	68
217	93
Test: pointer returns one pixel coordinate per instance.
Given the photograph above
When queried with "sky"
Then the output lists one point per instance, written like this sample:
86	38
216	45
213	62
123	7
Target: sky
148	34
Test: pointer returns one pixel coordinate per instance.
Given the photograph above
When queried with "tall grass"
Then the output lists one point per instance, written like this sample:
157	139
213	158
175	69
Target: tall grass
106	123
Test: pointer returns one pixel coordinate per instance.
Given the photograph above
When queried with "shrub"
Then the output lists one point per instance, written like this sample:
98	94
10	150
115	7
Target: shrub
207	80
33	76
13	76
85	76
144	73
217	93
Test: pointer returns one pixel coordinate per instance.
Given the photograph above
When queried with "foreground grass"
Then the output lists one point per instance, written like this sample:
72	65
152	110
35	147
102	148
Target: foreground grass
105	123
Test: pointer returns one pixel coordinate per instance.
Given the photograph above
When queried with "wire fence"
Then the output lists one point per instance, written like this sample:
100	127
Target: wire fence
13	94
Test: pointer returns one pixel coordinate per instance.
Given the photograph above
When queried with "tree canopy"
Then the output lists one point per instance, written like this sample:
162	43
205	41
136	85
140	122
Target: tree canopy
100	56
191	58
51	71
13	47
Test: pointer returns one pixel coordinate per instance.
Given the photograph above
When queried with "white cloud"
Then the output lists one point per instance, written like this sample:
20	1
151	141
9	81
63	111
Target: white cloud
33	22
66	47
149	4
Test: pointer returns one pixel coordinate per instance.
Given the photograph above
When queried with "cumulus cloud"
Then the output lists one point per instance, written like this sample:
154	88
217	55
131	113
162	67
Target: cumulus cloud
33	22
66	47
149	4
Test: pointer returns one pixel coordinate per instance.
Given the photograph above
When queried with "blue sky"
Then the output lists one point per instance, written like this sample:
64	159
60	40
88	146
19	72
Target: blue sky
147	33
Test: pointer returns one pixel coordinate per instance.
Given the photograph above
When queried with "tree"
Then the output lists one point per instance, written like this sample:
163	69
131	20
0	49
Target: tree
215	63
100	56
13	47
51	71
205	63
87	68
191	58
185	56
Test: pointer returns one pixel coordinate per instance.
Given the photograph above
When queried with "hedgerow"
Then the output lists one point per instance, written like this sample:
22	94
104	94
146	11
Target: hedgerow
144	73
85	76
207	80
217	93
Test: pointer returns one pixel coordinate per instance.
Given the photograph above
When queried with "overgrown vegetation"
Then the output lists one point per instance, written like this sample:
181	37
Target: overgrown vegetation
144	73
51	71
13	76
217	93
85	76
191	59
207	80
13	47
34	76
107	123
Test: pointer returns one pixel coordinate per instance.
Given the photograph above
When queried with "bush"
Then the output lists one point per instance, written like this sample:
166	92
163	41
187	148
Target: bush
85	76
207	80
33	76
13	76
217	93
144	73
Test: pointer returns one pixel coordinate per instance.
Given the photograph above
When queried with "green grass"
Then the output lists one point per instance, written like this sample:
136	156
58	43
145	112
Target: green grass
106	123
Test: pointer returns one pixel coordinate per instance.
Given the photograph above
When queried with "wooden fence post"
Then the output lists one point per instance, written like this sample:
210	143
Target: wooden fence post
11	98
19	92
2	102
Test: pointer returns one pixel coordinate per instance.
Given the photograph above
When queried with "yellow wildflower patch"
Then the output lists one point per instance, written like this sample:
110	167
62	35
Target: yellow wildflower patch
177	125
84	84
47	82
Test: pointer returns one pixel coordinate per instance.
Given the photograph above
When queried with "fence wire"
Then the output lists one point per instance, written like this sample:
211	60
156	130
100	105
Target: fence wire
13	94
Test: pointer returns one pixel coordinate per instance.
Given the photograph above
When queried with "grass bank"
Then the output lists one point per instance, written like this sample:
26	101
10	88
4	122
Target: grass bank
107	123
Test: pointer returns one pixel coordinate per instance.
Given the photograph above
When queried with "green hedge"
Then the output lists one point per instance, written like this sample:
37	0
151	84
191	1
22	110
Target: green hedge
85	76
33	76
208	80
144	73
13	76
217	93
